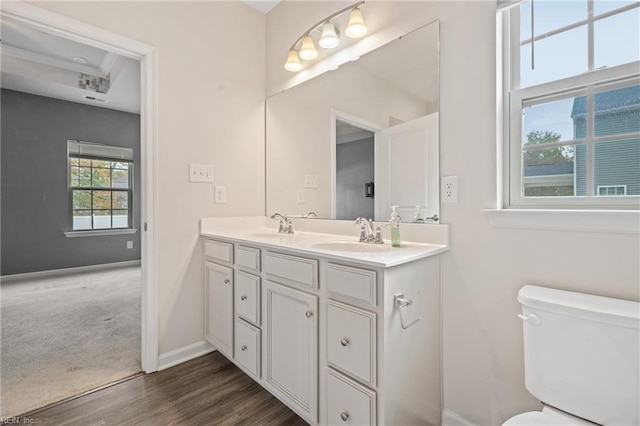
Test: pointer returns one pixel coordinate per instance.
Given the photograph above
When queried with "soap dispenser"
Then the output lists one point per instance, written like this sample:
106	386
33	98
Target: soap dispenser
394	221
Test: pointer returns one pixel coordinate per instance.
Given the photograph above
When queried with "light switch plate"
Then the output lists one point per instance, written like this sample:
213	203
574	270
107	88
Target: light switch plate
202	173
311	181
220	195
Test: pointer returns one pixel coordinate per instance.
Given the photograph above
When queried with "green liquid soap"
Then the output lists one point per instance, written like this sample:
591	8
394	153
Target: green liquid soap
395	236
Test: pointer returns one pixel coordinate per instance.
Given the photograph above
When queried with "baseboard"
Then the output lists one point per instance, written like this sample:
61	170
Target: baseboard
451	418
185	353
55	272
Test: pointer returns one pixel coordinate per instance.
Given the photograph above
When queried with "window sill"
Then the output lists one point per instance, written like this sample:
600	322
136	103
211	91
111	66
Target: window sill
616	221
99	233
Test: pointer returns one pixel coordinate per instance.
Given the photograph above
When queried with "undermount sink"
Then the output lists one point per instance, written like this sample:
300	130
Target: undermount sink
352	247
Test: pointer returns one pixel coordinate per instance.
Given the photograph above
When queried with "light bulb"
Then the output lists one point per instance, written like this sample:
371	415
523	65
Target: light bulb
356	27
293	62
308	50
329	38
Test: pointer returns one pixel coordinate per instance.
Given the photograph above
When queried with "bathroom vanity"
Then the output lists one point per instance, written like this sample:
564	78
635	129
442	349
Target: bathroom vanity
339	331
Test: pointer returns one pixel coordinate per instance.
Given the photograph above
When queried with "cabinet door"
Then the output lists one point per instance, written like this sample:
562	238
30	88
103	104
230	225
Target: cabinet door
291	347
219	307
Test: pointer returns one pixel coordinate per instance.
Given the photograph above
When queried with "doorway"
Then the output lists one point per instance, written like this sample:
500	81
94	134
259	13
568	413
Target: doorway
353	157
355	185
69	29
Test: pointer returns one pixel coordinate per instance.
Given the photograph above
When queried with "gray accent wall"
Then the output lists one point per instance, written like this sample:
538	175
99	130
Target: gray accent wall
34	195
354	168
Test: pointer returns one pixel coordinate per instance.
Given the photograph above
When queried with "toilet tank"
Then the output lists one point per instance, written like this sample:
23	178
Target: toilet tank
582	353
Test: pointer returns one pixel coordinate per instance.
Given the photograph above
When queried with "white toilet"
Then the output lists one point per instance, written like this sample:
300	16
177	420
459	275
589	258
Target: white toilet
581	358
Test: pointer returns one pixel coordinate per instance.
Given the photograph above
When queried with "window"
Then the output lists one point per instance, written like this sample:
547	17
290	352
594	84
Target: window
612	190
571	96
100	186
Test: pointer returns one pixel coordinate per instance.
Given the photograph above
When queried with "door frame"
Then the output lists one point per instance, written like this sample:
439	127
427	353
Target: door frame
356	121
71	29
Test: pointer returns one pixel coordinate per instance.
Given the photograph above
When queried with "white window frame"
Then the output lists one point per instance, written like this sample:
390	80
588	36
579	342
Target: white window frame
624	189
94	151
513	102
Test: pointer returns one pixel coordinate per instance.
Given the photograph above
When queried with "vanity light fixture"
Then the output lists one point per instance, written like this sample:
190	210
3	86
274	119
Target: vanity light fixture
293	63
356	27
308	50
329	38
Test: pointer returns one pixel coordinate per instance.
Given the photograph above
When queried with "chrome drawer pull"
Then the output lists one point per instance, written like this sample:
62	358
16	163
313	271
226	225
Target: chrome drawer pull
309	314
344	416
243	348
344	341
243	297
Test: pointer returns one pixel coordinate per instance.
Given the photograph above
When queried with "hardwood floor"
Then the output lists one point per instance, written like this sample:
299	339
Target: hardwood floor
208	390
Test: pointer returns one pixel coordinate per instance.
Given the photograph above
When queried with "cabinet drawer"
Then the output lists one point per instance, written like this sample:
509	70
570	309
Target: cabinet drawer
217	250
248	347
352	284
351	341
247	297
348	402
297	270
248	258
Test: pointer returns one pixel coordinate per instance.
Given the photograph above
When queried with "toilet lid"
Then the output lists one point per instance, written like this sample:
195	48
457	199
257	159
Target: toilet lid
545	418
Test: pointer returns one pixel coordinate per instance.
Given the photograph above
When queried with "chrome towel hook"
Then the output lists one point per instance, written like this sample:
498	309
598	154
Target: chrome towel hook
399	302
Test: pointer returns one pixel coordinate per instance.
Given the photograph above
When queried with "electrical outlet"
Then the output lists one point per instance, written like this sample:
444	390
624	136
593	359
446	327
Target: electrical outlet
311	181
129	244
300	196
220	196
449	189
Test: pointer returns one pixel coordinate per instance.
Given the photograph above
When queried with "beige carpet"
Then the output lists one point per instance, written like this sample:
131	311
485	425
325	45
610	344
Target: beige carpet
64	335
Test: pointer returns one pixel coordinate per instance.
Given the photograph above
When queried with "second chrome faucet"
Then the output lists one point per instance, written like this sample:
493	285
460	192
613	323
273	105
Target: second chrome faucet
286	224
370	232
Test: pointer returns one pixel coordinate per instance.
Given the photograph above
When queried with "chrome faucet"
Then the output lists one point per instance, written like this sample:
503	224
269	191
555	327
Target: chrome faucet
370	232
286	224
366	230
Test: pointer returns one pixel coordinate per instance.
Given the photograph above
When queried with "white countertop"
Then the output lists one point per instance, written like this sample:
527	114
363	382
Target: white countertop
332	246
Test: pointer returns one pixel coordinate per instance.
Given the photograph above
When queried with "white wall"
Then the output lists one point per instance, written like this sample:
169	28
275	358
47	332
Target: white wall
210	110
483	365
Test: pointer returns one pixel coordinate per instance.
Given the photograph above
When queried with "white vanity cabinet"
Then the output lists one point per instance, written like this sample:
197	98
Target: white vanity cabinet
291	347
324	333
219	307
376	367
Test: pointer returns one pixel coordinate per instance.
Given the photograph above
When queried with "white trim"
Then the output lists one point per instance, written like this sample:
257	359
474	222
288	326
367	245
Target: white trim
66	271
81	32
185	353
451	418
99	233
613	221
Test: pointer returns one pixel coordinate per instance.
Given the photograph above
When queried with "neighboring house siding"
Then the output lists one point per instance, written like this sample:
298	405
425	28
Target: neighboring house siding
35	208
615	163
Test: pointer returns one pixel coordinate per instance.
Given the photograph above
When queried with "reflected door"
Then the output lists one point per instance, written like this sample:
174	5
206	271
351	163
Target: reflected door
405	159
